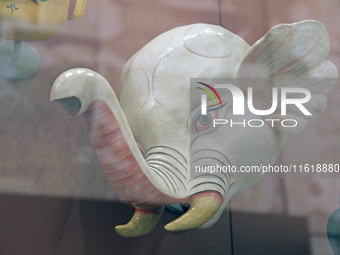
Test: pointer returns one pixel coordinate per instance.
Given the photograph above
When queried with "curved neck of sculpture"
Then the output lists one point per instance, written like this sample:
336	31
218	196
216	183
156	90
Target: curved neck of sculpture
119	164
82	91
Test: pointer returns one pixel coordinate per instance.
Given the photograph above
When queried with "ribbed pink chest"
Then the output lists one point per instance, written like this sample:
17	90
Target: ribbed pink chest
119	165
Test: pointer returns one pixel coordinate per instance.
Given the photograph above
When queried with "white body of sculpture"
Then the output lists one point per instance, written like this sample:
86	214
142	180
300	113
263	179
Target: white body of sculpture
154	115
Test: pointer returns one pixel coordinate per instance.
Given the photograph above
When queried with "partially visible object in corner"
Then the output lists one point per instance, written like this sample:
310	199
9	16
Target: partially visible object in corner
34	20
30	20
333	231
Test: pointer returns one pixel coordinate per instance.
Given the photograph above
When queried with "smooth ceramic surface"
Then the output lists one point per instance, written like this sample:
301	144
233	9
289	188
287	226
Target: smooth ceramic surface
153	111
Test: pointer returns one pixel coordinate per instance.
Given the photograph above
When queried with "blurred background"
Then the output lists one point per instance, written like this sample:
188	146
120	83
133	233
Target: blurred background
50	172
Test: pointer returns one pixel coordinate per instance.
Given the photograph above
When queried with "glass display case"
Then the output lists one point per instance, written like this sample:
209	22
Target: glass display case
55	197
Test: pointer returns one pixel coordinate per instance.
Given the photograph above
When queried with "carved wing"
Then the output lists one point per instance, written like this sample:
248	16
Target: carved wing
294	56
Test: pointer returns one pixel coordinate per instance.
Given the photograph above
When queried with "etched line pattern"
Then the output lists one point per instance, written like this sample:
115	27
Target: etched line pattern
170	163
220	181
119	165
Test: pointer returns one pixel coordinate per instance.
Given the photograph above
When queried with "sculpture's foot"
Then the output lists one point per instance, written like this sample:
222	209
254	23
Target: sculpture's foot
142	222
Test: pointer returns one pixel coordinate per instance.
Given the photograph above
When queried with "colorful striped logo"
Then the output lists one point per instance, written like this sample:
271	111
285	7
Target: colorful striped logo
203	119
209	93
